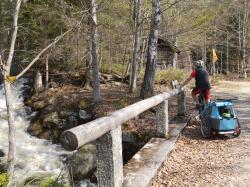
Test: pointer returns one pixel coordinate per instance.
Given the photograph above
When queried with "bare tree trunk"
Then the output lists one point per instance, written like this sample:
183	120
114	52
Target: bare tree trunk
133	70
1	44
47	72
205	48
227	56
8	95
100	51
149	77
213	62
13	36
1	30
77	45
11	13
124	60
142	55
190	62
175	58
244	36
214	69
221	60
175	62
88	70
239	42
11	121
38	82
94	53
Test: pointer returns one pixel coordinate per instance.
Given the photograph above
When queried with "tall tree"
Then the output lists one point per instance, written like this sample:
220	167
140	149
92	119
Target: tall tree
147	89
1	42
245	29
239	40
1	29
94	50
8	79
227	55
133	70
8	94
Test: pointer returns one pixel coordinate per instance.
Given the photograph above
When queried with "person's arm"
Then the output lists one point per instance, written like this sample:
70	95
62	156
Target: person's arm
186	81
192	75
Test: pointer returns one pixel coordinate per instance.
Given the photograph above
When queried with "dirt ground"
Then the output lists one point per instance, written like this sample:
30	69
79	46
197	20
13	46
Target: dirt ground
221	161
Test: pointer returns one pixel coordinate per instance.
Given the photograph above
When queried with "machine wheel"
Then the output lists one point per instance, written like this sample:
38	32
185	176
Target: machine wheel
206	130
237	129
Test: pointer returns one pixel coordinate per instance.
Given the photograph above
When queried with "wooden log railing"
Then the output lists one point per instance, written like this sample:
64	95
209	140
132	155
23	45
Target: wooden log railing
107	132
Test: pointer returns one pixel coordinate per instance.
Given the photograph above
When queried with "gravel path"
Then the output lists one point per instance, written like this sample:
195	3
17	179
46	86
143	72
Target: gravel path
221	161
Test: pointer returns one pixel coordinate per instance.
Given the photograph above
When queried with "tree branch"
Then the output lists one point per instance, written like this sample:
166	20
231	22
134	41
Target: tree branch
46	48
171	5
43	51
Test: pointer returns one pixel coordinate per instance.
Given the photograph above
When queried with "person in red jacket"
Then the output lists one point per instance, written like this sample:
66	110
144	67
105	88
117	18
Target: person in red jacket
202	83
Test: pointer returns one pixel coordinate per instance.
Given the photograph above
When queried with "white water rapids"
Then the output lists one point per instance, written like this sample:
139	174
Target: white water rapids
35	157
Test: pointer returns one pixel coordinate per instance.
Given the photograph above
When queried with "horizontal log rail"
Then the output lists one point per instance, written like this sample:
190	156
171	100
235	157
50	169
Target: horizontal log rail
107	132
78	136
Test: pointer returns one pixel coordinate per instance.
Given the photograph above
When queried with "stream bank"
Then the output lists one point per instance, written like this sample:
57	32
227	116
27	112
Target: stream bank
47	114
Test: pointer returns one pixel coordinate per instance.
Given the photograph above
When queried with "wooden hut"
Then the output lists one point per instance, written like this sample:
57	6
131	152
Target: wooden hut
170	55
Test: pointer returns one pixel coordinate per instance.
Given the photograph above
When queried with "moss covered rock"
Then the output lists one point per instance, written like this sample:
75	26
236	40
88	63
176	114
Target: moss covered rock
52	117
83	163
38	105
35	128
84	103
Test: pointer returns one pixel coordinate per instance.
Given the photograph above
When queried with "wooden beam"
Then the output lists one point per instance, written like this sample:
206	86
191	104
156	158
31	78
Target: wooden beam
74	138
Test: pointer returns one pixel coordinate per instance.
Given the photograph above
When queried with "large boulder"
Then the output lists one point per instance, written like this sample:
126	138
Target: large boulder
84	103
40	101
38	105
36	97
84	115
35	128
51	118
72	120
57	111
83	162
47	131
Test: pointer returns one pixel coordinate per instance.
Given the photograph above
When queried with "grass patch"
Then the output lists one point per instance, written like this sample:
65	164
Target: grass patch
123	102
216	80
51	182
165	76
113	68
4	179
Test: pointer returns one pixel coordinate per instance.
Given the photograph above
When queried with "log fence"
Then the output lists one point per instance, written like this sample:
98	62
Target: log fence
107	132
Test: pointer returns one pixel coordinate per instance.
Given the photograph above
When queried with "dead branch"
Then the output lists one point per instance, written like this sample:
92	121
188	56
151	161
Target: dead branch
42	52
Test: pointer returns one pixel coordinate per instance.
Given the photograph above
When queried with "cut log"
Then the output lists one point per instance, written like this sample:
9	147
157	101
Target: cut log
76	137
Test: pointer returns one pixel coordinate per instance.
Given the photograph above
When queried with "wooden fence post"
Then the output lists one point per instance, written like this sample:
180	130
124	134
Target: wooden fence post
181	103
162	119
109	159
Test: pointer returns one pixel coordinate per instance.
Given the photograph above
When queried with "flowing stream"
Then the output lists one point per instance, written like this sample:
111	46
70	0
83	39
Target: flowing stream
35	157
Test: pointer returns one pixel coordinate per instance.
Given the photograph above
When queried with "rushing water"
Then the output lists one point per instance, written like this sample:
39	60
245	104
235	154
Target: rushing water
35	157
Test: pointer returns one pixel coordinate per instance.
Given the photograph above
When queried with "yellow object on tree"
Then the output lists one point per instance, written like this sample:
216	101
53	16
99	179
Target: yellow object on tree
11	79
214	55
